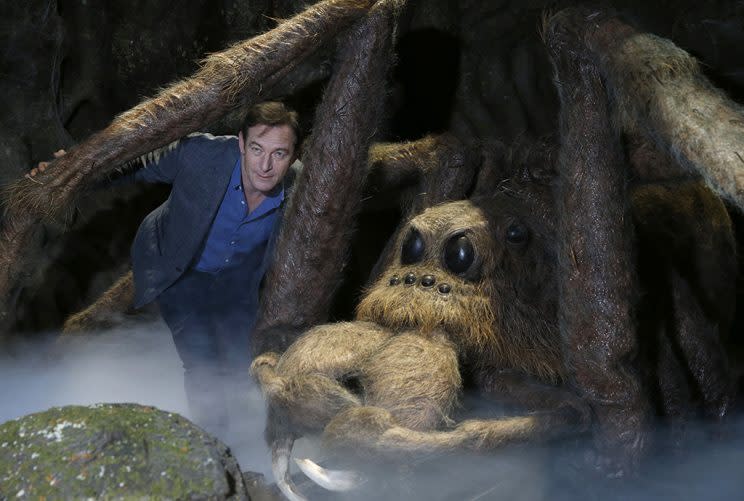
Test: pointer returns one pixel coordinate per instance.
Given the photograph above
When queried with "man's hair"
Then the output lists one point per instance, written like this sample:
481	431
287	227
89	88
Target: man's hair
272	113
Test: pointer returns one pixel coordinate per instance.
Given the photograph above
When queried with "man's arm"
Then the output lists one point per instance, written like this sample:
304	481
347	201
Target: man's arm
162	165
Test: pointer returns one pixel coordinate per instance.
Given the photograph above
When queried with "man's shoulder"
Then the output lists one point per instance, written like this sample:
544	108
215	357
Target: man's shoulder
208	141
203	148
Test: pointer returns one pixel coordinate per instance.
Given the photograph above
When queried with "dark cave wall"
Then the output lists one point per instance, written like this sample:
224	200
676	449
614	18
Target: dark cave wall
477	68
69	66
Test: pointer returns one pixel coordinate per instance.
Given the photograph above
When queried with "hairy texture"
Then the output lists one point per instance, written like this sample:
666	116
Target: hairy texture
315	233
489	327
426	172
660	92
526	160
528	292
236	75
675	395
106	310
418	174
335	366
514	388
700	343
353	342
374	391
597	283
420	396
464	313
687	260
401	164
241	74
686	263
373	430
649	164
18	246
683	224
303	384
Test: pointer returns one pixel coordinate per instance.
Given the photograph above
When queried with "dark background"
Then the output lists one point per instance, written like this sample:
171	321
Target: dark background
473	67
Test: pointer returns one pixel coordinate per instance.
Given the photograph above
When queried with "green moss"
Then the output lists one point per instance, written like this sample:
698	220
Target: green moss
112	451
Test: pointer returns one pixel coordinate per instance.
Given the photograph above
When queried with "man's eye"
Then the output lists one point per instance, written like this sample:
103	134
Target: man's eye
279	154
255	149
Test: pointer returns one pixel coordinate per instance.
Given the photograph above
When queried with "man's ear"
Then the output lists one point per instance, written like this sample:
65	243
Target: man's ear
241	142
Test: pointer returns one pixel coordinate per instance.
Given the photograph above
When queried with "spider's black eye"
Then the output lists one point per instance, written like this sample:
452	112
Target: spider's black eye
517	234
458	254
413	248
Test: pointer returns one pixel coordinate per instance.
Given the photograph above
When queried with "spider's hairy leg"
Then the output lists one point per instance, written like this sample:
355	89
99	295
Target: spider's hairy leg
515	388
305	386
313	380
663	102
422	173
597	279
688	262
374	430
700	342
314	239
429	171
240	75
660	91
412	385
106	311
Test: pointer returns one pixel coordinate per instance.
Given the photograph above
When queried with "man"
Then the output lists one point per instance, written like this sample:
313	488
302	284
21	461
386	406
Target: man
203	252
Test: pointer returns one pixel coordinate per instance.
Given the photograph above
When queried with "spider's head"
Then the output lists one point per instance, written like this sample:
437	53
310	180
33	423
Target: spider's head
478	272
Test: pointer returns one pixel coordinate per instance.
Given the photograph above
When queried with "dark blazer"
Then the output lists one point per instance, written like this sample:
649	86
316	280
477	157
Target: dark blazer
171	237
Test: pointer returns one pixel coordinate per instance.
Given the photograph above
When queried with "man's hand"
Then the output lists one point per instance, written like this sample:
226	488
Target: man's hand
43	165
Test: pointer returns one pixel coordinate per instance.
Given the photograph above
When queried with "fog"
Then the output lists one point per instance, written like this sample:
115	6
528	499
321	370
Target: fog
123	365
141	365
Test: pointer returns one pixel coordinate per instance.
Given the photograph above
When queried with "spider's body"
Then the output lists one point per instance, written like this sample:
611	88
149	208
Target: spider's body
550	282
469	298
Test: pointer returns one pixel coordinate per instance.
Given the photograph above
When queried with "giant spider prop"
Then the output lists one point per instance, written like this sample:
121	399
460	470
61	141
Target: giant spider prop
515	272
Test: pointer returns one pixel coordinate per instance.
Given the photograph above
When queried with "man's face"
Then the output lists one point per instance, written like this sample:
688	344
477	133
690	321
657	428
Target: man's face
266	153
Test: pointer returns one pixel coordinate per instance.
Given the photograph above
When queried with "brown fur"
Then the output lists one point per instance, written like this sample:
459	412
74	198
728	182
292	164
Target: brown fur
411	344
553	314
386	368
188	105
422	173
472	315
661	93
596	277
334	167
374	430
548	318
106	310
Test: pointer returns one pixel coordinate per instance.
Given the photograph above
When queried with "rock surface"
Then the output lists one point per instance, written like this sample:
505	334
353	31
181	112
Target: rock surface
114	451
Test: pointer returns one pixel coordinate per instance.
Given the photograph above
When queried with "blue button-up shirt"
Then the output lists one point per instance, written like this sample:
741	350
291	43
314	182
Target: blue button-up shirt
237	236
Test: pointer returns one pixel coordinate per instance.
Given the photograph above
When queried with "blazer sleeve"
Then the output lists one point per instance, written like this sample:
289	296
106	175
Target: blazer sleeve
164	164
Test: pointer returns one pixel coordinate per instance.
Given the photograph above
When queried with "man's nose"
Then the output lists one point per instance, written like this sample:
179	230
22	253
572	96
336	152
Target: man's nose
266	164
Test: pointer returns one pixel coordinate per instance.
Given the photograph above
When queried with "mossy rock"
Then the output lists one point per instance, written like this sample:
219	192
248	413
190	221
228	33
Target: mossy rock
114	451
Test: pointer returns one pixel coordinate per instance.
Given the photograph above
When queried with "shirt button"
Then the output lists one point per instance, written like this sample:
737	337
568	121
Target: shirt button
242	202
232	243
227	260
